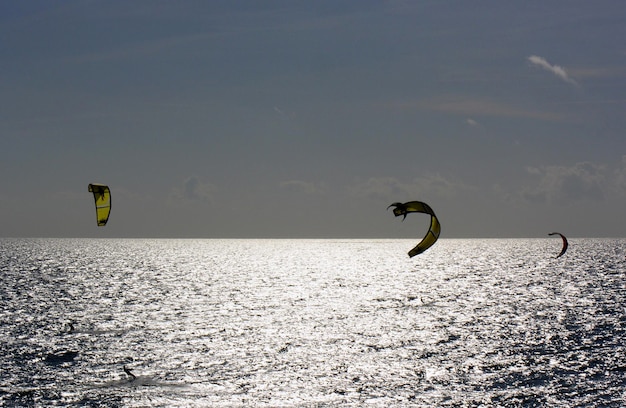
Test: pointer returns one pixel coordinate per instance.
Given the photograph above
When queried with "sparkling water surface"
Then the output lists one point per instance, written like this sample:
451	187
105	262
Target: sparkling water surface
313	323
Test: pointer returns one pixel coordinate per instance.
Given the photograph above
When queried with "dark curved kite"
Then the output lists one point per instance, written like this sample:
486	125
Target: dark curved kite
565	245
102	197
419	207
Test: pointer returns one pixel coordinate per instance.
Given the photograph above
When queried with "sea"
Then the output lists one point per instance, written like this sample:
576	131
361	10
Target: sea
312	323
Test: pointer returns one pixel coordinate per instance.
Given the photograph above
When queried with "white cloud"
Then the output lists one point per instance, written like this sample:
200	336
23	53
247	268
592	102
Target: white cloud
471	122
555	69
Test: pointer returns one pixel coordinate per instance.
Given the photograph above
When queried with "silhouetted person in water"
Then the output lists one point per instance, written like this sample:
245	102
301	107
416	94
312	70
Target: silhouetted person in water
130	374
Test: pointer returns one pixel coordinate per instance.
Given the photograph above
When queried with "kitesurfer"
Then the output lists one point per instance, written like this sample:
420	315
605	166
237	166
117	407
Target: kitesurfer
419	207
132	376
565	244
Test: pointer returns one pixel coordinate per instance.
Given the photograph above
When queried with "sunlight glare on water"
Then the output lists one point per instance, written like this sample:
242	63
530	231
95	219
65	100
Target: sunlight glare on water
312	323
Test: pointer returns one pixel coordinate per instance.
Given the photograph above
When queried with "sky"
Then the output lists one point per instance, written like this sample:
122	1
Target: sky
306	119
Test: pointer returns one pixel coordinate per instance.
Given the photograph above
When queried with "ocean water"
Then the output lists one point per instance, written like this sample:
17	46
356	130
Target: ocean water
312	323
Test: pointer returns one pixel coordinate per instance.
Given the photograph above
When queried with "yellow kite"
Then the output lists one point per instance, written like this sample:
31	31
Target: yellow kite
433	232
102	197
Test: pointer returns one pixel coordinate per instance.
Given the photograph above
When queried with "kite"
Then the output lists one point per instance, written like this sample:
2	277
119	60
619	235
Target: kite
564	242
102	197
433	232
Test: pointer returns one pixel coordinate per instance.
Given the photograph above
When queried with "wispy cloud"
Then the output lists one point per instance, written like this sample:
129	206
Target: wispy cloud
621	176
138	49
385	187
562	184
193	189
462	105
608	72
555	69
303	187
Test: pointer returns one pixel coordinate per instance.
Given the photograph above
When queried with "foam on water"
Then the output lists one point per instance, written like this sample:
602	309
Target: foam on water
312	323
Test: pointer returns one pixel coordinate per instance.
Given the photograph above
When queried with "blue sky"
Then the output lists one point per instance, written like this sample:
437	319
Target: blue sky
307	119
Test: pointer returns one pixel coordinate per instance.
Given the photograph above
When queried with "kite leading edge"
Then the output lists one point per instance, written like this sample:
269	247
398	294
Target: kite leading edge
102	197
565	244
433	232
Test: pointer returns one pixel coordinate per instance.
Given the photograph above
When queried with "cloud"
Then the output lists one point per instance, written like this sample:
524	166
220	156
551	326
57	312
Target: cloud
599	72
195	190
471	122
462	105
381	187
621	176
303	187
561	184
135	50
390	187
555	69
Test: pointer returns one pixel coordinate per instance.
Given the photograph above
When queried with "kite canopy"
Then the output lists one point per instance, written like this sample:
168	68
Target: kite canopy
433	232
565	245
102	197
